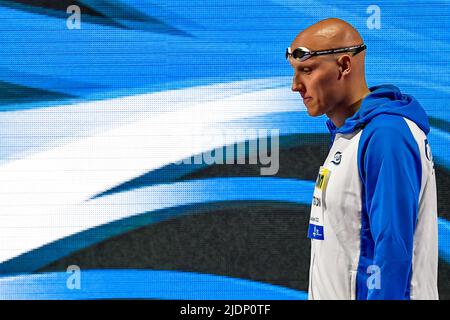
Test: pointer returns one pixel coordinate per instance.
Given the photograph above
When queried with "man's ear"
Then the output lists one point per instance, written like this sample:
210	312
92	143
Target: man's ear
345	65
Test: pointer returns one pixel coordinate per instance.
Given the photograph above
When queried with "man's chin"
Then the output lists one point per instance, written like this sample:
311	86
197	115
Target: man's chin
313	112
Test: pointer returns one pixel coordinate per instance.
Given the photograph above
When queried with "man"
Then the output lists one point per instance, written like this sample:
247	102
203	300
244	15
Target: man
373	224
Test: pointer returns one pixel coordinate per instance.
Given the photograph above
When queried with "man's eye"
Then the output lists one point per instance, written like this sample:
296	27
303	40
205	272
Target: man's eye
305	70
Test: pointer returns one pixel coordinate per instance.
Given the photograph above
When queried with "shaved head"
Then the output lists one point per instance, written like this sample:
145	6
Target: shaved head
331	84
327	34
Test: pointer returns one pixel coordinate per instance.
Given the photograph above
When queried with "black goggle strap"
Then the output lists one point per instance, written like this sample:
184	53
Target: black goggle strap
354	49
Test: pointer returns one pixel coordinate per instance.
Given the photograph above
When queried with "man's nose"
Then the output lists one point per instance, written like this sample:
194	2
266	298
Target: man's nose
297	85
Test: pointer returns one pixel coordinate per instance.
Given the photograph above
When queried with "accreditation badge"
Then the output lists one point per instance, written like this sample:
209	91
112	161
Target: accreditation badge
315	229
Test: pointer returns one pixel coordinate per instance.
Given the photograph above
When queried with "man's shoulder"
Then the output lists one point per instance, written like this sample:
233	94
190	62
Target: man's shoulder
387	126
387	133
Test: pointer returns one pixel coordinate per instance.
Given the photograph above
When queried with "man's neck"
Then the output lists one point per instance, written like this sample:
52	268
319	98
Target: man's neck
339	115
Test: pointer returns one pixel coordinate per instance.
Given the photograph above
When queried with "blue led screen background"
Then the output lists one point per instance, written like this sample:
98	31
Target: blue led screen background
103	114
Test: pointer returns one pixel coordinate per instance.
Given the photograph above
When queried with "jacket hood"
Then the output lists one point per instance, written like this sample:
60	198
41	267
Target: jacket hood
384	99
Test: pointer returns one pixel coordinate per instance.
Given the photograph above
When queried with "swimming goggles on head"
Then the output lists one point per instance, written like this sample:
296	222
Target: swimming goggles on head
302	53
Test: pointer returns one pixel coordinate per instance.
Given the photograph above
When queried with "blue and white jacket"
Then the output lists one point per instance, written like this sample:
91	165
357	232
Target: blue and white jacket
373	224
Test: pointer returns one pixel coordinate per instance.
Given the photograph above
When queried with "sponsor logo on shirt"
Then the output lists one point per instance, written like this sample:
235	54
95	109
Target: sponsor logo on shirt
337	158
